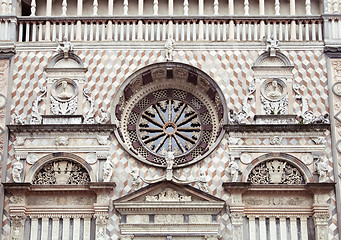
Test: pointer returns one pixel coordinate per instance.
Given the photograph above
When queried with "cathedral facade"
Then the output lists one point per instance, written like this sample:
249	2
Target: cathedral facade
191	120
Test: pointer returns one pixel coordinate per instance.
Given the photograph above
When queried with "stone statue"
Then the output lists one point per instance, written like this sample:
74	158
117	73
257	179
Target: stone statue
64	46
17	169
169	49
271	45
107	170
102	116
136	179
169	156
65	93
321	165
202	181
233	169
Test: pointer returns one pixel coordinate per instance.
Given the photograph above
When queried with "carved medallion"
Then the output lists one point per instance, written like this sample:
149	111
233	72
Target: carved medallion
91	158
246	158
64	90
273	89
307	158
337	89
32	158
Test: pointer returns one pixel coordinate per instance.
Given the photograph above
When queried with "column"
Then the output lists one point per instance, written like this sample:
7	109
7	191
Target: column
110	25
76	227
79	23
273	233
262	227
252	227
17	226
304	227
237	225
293	23
293	228
201	7
101	225
34	227
55	228
262	23
66	227
231	23
283	227
258	98
87	224
48	24
44	228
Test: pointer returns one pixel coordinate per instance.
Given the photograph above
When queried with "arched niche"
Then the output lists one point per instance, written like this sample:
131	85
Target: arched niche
267	161
146	97
57	158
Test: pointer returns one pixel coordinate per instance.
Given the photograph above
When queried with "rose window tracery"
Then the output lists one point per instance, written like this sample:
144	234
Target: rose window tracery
167	108
62	172
275	172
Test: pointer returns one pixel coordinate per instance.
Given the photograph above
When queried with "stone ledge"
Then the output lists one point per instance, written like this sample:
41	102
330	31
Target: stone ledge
277	127
61	128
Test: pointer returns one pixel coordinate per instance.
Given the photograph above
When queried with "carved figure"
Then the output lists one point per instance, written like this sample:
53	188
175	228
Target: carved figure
107	171
36	117
64	46
233	169
273	90
18	119
61	141
276	140
90	116
202	181
321	165
65	93
169	49
102	117
17	168
136	179
271	45
169	157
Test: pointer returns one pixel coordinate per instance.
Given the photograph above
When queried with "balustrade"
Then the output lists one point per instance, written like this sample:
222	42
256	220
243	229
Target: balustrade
182	29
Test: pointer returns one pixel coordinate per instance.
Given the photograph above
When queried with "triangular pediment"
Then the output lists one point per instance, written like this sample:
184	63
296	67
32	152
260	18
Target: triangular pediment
168	195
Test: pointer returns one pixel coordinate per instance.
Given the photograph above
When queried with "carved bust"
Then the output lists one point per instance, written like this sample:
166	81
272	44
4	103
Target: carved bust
273	89
64	90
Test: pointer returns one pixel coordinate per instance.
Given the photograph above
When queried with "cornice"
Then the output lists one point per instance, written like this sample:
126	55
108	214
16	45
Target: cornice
277	127
61	128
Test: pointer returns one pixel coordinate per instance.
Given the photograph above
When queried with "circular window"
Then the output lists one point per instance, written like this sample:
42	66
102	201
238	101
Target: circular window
167	108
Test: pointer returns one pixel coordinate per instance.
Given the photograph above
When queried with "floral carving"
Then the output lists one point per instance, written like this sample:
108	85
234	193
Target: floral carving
275	172
62	172
168	195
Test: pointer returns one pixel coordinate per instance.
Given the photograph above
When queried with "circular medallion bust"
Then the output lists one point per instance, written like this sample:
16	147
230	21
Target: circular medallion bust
169	107
64	90
273	89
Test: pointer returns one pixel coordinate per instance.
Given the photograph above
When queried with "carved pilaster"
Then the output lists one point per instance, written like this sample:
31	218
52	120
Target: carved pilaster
237	224
321	226
17	226
101	225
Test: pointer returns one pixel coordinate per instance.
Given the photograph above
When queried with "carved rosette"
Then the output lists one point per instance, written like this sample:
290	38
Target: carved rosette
275	172
168	108
62	172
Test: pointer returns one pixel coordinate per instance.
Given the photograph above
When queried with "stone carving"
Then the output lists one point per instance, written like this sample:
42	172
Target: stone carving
62	172
319	140
36	117
307	158
32	158
321	166
271	45
136	183
102	139
64	97
242	116
212	237
102	116
107	170
17	169
169	51
275	172
276	140
275	107
64	46
246	158
101	223
61	141
63	108
17	226
91	158
202	182
20	141
64	90
169	157
89	118
308	117
233	170
277	200
19	119
273	90
168	195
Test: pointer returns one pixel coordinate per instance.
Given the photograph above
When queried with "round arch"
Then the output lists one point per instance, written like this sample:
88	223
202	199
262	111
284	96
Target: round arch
58	156
180	84
308	177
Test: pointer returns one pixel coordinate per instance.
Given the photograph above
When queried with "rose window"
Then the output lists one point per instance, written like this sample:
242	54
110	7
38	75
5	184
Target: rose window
170	125
168	108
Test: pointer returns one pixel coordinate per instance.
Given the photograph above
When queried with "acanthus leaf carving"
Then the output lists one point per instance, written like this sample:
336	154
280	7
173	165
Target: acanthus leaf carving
63	108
